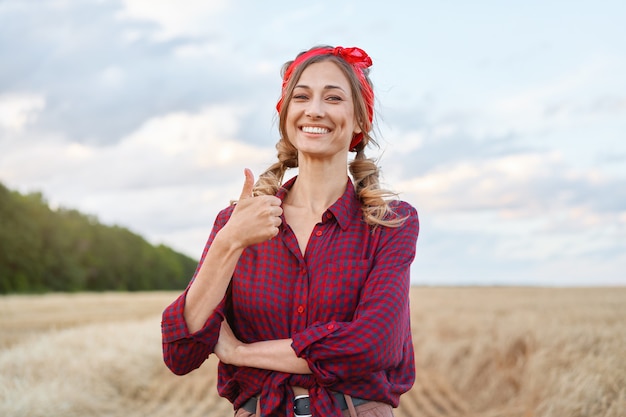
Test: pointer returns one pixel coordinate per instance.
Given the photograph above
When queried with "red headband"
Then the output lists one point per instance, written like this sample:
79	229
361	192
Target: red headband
357	58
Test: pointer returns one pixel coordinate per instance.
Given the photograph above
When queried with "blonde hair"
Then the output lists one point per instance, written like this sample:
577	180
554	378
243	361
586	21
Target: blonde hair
375	201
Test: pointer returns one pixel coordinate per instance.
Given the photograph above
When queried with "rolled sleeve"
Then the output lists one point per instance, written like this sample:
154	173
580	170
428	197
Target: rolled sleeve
184	351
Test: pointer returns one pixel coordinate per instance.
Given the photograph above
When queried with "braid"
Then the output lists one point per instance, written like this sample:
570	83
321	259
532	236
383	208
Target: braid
374	200
271	180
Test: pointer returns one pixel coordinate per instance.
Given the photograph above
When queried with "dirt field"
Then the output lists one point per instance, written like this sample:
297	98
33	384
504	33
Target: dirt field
481	352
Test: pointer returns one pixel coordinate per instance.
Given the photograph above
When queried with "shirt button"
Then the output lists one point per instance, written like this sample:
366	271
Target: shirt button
330	326
300	309
329	215
318	233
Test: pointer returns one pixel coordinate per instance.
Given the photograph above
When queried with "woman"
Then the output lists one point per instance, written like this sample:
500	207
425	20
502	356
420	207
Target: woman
303	288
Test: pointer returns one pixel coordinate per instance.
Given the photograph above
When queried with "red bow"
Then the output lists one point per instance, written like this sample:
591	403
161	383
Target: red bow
355	56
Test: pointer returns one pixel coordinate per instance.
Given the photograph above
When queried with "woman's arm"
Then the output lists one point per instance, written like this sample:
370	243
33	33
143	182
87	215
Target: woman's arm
254	220
190	325
209	286
273	355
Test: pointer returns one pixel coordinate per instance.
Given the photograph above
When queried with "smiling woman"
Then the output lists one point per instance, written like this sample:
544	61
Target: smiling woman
297	280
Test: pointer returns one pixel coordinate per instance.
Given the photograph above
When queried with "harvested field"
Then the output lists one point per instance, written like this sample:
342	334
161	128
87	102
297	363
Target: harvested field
481	352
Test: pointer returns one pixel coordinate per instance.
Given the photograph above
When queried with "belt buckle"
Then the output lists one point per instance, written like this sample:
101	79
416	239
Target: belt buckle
305	407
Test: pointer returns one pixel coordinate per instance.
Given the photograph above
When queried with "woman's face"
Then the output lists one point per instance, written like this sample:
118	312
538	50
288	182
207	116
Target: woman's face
320	119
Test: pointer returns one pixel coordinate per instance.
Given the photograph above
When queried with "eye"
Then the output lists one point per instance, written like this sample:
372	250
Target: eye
334	98
300	96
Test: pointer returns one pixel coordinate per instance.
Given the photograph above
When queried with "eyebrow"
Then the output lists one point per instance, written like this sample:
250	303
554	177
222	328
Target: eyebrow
326	87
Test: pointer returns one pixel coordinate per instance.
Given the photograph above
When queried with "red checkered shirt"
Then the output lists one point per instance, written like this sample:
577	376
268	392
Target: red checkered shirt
345	304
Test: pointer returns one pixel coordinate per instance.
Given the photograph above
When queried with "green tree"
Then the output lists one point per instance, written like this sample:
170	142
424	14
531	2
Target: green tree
64	250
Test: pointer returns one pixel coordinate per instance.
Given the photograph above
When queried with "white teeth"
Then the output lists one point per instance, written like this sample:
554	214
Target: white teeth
311	129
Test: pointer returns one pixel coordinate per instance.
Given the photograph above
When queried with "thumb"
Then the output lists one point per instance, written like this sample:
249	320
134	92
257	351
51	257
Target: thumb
248	184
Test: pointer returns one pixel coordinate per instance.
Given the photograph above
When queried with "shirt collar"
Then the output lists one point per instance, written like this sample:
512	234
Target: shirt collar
345	209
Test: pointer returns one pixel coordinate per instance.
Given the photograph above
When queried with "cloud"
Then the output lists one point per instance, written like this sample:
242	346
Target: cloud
522	185
17	110
515	213
170	175
564	102
103	75
172	20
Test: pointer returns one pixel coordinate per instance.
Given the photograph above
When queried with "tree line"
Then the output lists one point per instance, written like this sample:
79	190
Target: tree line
45	250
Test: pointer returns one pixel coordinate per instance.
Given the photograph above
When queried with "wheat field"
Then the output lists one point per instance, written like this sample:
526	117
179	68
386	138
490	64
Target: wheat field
480	352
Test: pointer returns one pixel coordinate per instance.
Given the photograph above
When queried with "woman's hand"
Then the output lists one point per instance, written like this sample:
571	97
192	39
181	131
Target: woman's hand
255	219
227	343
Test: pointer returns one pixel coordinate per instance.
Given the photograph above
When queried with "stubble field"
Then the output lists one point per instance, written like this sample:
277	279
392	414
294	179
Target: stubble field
481	352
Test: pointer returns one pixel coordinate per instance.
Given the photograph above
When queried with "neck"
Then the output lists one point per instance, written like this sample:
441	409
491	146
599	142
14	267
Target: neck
318	186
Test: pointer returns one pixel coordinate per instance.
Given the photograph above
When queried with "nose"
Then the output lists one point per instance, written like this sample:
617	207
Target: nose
314	109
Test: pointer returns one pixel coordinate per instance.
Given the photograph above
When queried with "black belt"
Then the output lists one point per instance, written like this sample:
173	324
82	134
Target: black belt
302	405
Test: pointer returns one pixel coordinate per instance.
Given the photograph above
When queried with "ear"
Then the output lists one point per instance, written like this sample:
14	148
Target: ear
357	127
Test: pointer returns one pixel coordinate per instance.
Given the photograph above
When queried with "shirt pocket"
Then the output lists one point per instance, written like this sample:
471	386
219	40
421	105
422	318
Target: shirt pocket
341	288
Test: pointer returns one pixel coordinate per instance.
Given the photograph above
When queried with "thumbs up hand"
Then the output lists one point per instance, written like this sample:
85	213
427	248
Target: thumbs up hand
248	185
255	219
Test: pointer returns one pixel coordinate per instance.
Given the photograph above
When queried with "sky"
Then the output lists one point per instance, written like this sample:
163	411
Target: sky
502	122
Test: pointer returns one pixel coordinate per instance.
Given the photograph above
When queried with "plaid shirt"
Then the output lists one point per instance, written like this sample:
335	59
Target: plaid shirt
345	304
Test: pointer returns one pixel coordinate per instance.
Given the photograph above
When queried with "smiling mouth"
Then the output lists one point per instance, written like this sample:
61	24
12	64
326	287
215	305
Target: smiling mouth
316	130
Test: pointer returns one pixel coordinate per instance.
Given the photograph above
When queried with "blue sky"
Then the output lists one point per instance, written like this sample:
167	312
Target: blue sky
503	122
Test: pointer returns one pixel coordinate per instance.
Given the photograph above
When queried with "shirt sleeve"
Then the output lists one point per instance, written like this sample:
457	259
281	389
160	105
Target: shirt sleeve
184	351
376	339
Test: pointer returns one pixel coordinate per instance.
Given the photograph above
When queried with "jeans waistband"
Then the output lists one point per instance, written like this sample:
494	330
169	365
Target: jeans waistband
302	405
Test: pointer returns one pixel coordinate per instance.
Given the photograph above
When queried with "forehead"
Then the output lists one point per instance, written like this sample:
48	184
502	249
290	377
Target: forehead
322	74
